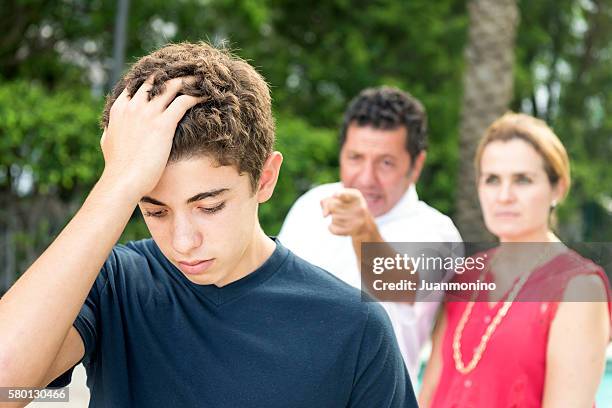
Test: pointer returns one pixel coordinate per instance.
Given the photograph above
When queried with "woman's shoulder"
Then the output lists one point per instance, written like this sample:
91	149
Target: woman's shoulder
586	280
580	272
568	276
578	264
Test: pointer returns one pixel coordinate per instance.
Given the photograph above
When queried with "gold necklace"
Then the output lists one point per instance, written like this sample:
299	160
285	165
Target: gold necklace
501	313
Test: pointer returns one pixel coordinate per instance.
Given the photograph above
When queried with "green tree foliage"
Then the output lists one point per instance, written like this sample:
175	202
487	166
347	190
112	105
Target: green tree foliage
50	138
49	157
563	76
335	49
309	158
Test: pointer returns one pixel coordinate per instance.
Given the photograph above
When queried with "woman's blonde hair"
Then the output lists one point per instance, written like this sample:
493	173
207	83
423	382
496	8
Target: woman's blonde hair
535	132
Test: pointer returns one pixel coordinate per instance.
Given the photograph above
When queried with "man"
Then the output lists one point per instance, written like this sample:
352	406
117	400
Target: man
383	148
209	312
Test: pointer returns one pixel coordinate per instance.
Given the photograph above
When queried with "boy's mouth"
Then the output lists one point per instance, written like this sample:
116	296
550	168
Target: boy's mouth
195	267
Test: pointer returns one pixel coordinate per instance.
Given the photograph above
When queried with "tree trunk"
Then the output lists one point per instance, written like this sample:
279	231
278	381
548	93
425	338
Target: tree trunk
488	89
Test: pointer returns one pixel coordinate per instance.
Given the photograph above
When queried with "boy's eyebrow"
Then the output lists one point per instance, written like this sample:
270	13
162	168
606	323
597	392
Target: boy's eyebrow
206	194
197	197
150	200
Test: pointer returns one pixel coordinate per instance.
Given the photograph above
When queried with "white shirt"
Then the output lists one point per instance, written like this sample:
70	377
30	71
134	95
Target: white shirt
305	232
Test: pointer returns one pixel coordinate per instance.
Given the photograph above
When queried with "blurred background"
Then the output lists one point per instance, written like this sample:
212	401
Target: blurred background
468	61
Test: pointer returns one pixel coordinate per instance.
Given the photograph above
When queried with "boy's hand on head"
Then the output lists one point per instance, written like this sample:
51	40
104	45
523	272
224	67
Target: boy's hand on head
349	211
137	141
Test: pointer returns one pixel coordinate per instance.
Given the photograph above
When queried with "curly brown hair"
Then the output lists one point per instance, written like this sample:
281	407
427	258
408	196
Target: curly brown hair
233	124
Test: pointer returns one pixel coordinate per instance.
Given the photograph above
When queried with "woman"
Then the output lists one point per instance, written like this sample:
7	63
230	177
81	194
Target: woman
522	354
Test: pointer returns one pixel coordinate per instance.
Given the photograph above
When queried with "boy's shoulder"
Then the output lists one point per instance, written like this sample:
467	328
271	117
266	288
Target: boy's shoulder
133	260
144	249
323	288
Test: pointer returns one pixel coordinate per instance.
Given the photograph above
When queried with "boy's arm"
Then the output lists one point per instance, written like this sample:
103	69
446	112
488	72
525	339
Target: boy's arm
37	313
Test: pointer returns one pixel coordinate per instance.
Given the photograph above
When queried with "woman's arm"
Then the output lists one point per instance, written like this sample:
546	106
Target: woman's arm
577	343
434	365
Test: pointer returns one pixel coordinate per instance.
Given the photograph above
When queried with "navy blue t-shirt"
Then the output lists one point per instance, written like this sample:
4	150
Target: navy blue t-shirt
287	335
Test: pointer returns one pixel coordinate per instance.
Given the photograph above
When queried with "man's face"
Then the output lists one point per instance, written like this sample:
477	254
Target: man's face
376	162
203	217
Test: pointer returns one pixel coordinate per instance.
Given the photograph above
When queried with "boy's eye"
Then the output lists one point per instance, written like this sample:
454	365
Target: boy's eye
157	214
211	210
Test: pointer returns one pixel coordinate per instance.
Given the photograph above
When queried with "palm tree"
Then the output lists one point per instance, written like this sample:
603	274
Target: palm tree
488	86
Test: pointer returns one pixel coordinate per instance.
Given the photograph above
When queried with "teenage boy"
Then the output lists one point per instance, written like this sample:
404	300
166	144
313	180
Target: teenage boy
209	312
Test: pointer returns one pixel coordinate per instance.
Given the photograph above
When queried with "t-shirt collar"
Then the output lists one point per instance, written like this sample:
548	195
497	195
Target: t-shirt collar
233	290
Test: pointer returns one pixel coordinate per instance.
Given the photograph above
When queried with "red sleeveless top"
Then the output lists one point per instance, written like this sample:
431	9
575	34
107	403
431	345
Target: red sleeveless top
512	369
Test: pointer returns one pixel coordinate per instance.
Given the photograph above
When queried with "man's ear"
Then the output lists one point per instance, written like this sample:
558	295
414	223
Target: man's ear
417	167
269	177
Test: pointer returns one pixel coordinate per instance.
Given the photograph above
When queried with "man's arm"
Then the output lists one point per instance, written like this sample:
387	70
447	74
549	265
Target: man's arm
351	217
37	313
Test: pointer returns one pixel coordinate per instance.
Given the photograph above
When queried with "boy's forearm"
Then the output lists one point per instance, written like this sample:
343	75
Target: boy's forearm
37	312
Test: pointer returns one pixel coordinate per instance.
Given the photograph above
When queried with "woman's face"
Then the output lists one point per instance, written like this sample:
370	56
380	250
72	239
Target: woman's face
514	191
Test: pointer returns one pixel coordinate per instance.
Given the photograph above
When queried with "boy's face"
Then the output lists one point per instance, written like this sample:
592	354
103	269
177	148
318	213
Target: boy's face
203	217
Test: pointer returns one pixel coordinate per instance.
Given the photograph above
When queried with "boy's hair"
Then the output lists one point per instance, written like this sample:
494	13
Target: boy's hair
234	123
389	108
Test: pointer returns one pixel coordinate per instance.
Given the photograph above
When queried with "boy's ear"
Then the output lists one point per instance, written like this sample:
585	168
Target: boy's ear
269	176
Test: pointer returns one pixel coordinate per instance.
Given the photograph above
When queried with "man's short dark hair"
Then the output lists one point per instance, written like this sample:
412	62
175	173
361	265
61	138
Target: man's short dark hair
389	108
233	124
